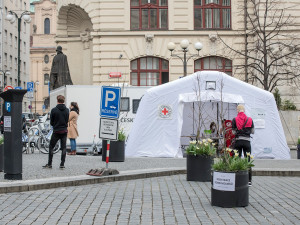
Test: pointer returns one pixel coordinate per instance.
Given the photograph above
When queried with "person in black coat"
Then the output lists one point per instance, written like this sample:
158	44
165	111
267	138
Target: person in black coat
59	118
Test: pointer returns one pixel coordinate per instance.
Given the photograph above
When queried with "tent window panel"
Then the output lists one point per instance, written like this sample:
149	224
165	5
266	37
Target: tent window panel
124	104
135	105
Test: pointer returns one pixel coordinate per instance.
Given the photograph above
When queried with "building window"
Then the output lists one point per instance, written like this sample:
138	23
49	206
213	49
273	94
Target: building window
214	63
46	79
46	59
10	61
149	14
10	39
16	42
212	14
5	35
149	71
47	26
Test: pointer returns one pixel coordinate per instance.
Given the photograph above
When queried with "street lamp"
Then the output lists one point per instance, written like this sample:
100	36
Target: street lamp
35	91
11	17
184	44
4	73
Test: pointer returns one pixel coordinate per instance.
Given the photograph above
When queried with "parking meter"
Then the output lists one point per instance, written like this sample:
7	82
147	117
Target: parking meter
13	133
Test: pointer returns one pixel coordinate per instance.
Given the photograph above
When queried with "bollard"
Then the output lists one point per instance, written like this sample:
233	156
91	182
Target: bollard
13	133
107	153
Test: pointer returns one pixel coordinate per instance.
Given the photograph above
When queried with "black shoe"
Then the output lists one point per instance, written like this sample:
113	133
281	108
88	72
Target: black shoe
61	167
250	184
47	166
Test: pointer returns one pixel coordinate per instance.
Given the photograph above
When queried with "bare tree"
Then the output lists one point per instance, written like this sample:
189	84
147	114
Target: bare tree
272	51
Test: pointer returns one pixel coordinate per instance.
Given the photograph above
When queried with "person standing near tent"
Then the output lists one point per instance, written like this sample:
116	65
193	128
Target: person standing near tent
243	127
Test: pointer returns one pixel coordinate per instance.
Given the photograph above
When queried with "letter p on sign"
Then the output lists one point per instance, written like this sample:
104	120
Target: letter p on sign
110	97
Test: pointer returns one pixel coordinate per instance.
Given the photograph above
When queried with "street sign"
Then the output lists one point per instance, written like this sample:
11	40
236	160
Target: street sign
110	102
8	106
8	87
30	106
18	88
108	129
44	108
30	86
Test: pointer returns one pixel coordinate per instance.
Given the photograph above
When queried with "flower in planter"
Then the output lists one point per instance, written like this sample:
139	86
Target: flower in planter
121	135
298	141
1	140
201	147
231	162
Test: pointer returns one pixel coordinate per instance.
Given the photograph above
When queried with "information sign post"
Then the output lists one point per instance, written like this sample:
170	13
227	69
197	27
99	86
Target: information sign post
109	113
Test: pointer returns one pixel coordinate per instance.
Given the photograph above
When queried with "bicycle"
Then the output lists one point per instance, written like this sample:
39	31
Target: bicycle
40	137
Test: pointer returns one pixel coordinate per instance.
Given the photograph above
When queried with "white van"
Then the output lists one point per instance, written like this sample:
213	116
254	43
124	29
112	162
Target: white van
88	98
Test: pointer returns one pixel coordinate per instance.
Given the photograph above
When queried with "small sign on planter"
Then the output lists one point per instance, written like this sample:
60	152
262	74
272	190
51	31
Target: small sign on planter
108	129
224	181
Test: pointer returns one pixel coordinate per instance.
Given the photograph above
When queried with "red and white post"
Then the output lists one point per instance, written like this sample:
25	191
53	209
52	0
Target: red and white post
107	153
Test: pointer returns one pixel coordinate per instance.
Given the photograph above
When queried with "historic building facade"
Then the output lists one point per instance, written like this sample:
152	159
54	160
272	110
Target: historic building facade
131	37
9	46
42	50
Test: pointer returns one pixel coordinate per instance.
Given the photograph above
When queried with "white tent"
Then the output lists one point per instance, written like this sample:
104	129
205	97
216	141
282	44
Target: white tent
165	115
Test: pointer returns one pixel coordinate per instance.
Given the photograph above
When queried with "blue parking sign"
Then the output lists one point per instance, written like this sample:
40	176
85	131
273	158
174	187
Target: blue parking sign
30	86
110	102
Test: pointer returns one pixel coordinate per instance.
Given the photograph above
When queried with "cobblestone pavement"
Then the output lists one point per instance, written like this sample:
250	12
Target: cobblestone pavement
161	200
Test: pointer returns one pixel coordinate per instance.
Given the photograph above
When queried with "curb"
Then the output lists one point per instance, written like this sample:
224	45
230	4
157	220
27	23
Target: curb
33	185
84	180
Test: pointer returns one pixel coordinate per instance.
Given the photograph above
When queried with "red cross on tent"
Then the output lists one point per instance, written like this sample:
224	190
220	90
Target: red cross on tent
165	111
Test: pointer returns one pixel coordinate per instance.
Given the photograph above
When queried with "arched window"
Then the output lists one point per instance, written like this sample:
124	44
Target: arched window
149	71
148	14
212	14
46	59
47	26
46	79
214	63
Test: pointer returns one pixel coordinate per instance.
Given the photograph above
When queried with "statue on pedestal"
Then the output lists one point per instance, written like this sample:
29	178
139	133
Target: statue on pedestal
60	74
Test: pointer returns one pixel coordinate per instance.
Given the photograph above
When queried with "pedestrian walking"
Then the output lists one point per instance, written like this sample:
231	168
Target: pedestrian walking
59	118
243	127
72	126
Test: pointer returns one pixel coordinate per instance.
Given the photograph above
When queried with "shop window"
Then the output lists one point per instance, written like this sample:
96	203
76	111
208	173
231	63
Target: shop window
214	63
149	71
149	14
212	14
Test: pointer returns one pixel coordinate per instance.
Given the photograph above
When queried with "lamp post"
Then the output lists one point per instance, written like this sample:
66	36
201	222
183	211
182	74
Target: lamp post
35	91
11	17
4	73
184	44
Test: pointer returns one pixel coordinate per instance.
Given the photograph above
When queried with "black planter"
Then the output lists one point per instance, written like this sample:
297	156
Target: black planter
198	168
116	151
298	151
1	157
237	198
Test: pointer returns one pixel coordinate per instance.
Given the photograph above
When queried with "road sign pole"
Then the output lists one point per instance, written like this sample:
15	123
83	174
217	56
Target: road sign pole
107	153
